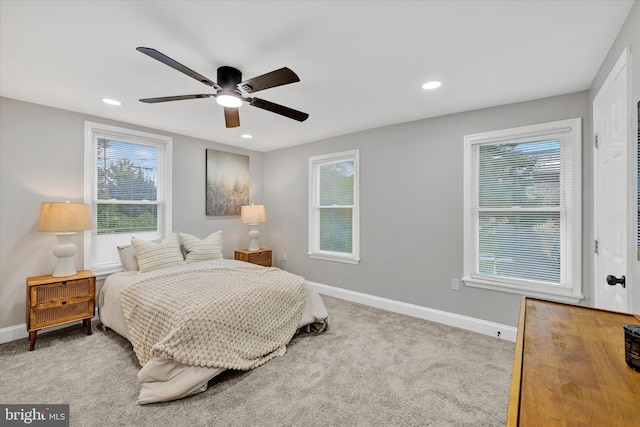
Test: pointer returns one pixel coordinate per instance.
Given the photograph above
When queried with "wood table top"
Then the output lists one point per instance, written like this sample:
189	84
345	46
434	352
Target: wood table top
572	369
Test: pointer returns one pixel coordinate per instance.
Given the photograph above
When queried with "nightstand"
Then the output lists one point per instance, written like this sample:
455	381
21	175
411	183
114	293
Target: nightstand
261	256
53	301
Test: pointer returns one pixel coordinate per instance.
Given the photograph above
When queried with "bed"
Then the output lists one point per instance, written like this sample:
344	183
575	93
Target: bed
190	314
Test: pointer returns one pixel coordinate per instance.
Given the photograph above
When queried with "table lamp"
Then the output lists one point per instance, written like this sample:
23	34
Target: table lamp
253	215
64	219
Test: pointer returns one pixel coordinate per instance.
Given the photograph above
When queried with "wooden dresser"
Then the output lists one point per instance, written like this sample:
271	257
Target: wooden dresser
53	301
569	368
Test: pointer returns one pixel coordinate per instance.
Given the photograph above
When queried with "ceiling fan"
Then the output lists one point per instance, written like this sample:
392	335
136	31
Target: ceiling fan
231	91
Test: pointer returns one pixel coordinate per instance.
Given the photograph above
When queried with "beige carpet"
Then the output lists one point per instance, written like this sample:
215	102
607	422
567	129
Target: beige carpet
371	368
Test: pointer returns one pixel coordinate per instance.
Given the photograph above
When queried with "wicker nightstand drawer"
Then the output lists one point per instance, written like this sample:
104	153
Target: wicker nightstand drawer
259	257
61	291
42	317
56	300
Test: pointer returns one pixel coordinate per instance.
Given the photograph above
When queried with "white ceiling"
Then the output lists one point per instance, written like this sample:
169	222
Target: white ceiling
361	64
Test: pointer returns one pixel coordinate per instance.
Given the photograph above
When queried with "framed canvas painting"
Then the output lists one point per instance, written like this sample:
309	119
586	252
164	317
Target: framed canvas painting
227	183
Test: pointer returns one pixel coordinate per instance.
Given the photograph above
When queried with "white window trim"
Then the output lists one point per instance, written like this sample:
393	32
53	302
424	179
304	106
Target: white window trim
90	177
572	293
314	218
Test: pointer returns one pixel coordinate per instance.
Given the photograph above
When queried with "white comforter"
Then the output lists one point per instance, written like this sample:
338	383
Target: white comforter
164	379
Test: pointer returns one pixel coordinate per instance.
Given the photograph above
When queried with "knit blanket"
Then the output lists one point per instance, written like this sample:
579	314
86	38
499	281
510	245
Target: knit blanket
234	318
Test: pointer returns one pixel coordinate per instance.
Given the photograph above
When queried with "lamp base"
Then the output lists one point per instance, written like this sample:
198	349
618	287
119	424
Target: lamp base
64	251
64	268
253	238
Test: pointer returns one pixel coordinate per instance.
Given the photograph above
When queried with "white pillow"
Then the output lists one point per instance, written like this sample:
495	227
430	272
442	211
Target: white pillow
202	250
128	259
153	256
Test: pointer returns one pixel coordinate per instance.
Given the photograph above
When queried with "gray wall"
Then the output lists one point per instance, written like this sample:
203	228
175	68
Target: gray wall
42	159
411	196
629	36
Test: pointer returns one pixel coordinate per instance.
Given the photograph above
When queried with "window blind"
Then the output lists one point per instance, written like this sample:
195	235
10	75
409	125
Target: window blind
521	199
336	206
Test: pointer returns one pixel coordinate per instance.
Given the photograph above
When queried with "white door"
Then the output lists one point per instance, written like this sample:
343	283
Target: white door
610	118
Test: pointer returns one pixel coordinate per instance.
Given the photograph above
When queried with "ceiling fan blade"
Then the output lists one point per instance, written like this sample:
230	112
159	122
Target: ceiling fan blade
231	117
280	77
175	65
278	109
174	98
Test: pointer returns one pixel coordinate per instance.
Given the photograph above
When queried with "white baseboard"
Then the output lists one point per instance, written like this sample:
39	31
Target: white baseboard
13	333
18	332
464	322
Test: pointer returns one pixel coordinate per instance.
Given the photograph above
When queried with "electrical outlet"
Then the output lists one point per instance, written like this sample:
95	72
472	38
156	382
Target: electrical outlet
455	284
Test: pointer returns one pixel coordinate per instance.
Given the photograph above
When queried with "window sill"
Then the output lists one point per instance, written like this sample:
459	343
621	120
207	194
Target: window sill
347	259
104	272
560	295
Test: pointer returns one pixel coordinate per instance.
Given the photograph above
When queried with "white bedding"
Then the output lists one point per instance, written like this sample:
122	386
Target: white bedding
165	379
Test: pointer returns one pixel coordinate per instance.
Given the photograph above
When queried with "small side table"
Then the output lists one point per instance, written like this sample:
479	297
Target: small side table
260	257
53	301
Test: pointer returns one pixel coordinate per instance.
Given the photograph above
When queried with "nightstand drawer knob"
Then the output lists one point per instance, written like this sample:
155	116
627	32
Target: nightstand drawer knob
64	302
64	283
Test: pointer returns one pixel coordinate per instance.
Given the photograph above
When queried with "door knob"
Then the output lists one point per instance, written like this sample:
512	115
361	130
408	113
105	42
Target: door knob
613	280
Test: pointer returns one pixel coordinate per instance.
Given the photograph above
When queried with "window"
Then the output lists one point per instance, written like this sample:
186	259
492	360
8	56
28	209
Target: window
128	184
333	207
522	209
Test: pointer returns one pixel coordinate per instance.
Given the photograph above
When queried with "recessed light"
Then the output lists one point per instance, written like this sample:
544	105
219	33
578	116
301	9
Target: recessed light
111	101
432	85
246	136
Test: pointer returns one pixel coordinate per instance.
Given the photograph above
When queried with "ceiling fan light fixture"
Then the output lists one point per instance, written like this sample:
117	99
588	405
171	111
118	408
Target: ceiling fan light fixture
231	91
229	99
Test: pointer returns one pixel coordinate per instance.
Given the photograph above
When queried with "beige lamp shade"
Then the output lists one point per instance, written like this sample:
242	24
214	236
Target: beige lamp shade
64	217
252	214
